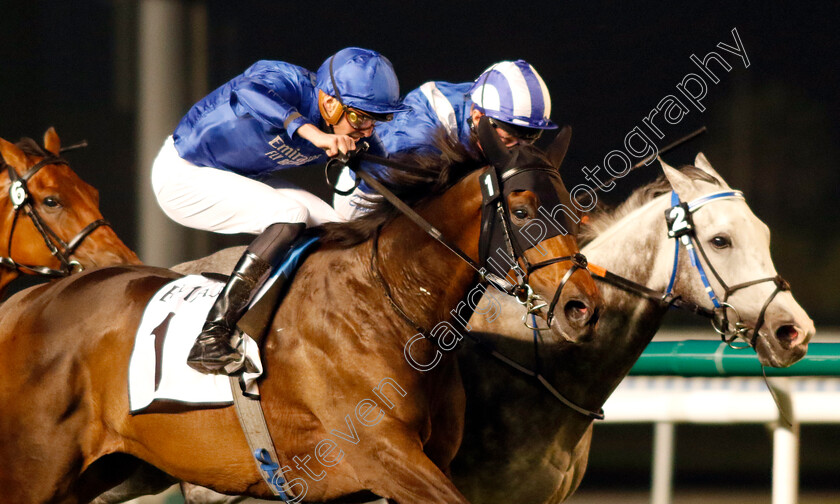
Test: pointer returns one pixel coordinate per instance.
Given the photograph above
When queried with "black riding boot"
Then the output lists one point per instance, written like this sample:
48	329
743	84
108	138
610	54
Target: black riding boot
215	351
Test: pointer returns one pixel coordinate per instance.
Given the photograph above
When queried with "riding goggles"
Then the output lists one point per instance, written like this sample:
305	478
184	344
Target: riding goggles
360	120
522	134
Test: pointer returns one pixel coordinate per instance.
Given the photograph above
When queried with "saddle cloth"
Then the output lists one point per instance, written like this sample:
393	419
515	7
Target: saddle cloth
172	320
158	367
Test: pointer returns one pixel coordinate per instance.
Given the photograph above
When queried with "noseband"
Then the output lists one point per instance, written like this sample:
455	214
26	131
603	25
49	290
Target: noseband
22	199
681	228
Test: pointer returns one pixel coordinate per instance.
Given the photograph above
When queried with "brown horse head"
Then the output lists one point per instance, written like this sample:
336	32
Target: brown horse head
544	224
51	224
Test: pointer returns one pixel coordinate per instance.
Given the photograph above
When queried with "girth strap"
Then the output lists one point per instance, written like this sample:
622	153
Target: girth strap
251	418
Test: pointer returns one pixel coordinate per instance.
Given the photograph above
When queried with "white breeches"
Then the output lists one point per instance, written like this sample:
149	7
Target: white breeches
347	206
224	202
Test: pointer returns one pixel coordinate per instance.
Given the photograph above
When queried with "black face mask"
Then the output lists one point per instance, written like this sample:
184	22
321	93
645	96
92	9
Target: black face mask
522	168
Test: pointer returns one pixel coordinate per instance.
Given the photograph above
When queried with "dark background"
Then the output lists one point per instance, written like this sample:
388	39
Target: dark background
773	128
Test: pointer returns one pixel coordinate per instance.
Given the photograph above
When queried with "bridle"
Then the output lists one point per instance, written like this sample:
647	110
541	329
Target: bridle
681	228
495	212
678	218
22	199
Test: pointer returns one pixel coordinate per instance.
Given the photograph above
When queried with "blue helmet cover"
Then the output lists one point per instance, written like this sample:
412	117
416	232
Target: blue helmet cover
365	80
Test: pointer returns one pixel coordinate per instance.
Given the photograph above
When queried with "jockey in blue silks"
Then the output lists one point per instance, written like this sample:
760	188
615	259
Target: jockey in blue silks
217	172
511	93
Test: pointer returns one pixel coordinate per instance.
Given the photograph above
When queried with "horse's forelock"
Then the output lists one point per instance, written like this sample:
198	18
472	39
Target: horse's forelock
31	148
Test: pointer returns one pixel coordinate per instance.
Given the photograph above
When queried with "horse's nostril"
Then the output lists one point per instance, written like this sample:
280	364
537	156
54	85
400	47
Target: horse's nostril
577	311
787	335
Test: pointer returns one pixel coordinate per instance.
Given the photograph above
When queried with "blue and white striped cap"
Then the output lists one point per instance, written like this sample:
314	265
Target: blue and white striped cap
513	92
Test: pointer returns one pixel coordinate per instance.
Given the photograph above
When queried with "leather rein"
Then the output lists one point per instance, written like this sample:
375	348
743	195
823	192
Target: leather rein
22	200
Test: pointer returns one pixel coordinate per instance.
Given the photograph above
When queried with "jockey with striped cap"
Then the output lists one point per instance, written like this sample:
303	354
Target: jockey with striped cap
510	93
218	171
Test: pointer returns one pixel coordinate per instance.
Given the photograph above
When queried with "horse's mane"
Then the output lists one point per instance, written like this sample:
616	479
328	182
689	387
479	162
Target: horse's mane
430	175
603	218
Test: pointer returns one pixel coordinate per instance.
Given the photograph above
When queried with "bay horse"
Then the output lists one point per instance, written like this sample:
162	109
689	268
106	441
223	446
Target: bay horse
519	441
335	342
50	223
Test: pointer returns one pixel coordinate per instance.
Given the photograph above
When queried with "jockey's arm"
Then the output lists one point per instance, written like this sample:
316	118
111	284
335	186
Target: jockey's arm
333	144
269	106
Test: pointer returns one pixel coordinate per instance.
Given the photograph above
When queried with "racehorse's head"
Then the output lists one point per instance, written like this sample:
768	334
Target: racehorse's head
733	247
51	223
543	223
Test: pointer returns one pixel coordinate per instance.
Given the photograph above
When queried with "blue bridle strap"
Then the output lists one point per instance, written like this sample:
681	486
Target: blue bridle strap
675	200
695	261
695	205
687	241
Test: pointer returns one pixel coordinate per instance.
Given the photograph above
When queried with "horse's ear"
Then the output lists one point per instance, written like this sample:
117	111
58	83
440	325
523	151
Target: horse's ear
559	146
679	182
701	162
494	150
12	155
51	142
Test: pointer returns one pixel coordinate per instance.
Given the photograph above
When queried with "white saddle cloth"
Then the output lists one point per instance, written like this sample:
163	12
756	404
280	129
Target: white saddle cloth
158	368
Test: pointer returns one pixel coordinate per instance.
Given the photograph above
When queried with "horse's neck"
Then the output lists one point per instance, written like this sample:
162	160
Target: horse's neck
552	440
426	279
549	441
635	247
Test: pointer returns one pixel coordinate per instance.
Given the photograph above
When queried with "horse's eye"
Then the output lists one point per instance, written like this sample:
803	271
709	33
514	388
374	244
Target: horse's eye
51	201
520	213
720	242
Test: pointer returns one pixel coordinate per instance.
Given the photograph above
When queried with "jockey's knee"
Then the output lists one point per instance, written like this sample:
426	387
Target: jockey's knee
296	214
275	239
